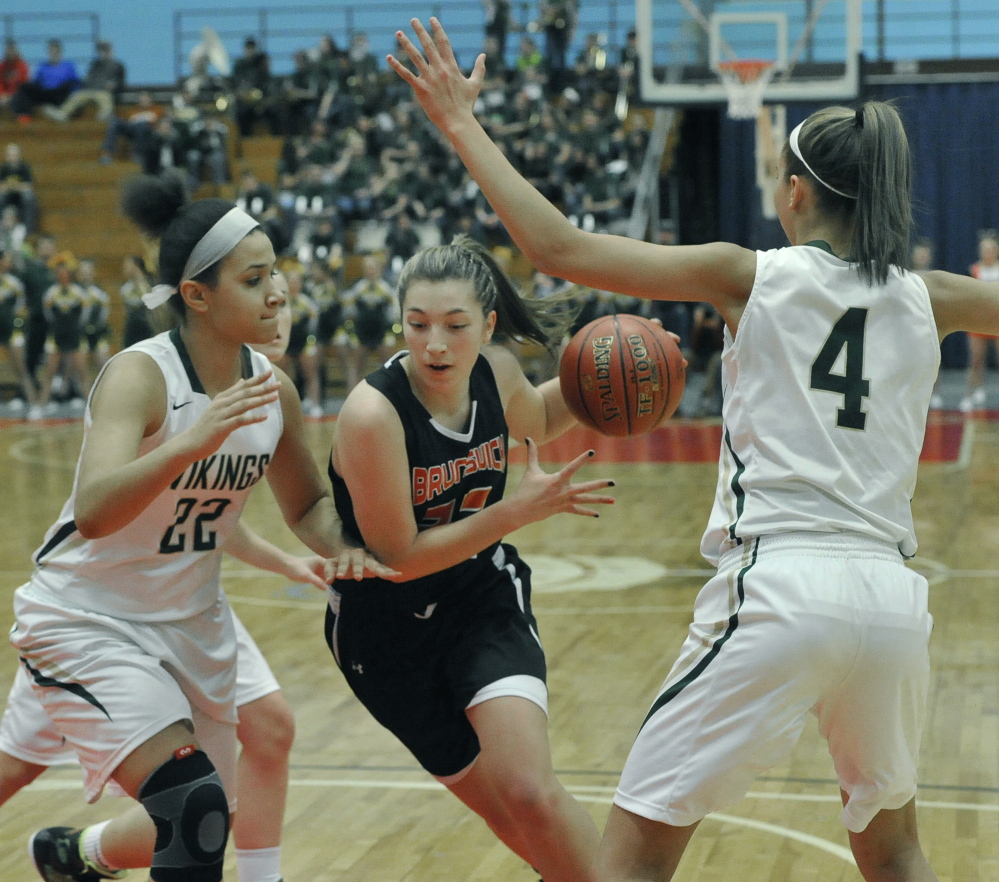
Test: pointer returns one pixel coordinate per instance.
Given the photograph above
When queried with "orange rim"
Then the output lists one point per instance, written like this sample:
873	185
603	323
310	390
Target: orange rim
747	69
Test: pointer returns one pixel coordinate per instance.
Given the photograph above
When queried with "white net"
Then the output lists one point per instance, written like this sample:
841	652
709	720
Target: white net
745	85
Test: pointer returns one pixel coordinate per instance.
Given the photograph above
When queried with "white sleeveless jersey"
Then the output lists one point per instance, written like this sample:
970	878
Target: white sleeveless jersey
165	564
826	390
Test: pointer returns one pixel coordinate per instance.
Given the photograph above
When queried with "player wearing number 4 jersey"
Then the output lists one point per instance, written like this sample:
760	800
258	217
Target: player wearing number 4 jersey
829	360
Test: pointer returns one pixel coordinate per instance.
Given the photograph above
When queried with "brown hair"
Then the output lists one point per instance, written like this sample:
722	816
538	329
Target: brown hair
864	153
543	321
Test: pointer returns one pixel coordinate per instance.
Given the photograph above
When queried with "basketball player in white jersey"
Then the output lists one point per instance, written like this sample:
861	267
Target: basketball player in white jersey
123	627
29	743
831	349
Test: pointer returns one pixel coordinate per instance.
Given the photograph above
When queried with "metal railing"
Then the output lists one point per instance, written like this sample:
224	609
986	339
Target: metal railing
894	30
281	31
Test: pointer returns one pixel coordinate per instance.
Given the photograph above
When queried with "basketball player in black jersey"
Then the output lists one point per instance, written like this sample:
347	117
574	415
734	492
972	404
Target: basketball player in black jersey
450	660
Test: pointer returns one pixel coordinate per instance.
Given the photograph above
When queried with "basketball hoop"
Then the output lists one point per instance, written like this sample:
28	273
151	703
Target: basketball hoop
745	81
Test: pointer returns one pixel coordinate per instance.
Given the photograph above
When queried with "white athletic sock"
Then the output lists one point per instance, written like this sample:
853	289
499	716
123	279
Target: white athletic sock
258	864
92	847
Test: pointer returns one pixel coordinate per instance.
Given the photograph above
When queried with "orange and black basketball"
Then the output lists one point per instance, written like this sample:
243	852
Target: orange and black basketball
622	375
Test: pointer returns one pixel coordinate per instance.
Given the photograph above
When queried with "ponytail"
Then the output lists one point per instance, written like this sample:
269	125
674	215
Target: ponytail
860	162
160	207
542	321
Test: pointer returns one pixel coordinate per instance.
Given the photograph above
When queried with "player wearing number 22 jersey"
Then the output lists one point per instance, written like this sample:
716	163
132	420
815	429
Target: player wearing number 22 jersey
419	653
161	570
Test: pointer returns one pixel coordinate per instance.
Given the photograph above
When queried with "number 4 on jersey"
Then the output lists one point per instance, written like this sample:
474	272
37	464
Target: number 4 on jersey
848	332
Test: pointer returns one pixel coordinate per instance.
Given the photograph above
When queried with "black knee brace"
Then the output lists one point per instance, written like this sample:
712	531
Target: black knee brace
186	801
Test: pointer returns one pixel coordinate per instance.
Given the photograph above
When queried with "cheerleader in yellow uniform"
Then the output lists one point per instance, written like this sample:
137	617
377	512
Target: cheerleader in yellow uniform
64	305
371	314
13	315
96	330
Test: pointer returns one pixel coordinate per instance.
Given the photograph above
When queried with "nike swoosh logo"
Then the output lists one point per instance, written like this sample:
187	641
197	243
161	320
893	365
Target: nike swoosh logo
179	406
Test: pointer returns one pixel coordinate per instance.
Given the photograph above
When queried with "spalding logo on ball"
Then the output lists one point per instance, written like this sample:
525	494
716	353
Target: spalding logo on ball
622	375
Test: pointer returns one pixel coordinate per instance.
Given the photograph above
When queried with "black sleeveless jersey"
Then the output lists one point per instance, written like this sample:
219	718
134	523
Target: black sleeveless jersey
452	475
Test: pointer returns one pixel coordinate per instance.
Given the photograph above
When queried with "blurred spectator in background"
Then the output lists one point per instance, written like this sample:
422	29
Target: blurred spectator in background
331	337
370	313
13	232
986	268
13	72
298	95
65	304
254	90
186	139
102	86
627	72
13	319
301	359
529	55
96	328
353	179
401	242
137	127
325	240
138	318
17	187
257	199
254	196
497	27
328	61
363	66
557	18
706	340
38	277
922	262
52	83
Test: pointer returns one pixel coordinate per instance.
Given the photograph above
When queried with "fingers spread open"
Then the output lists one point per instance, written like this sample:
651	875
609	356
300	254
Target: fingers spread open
569	470
442	42
426	41
414	54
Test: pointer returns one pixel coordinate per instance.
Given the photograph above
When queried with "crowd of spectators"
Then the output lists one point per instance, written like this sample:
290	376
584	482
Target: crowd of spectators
362	172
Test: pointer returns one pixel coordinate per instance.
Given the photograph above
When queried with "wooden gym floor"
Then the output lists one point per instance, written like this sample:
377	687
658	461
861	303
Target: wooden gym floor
613	598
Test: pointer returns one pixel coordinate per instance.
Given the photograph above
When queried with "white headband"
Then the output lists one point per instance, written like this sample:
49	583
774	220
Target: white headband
792	140
228	231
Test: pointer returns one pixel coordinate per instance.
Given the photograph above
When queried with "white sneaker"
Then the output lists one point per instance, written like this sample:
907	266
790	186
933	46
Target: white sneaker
35	412
936	401
77	404
16	405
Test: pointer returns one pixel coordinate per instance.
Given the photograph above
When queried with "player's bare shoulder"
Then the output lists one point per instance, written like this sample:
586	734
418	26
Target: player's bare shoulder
506	369
131	385
368	419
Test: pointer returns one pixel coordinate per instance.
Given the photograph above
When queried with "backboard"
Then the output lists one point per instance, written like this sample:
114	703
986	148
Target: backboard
815	46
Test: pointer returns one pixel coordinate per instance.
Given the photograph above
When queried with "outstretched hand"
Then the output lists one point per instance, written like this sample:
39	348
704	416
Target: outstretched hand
541	494
239	405
441	88
310	570
356	563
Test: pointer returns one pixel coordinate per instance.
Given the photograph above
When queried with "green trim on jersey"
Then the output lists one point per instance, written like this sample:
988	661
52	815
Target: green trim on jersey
740	494
245	362
669	694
